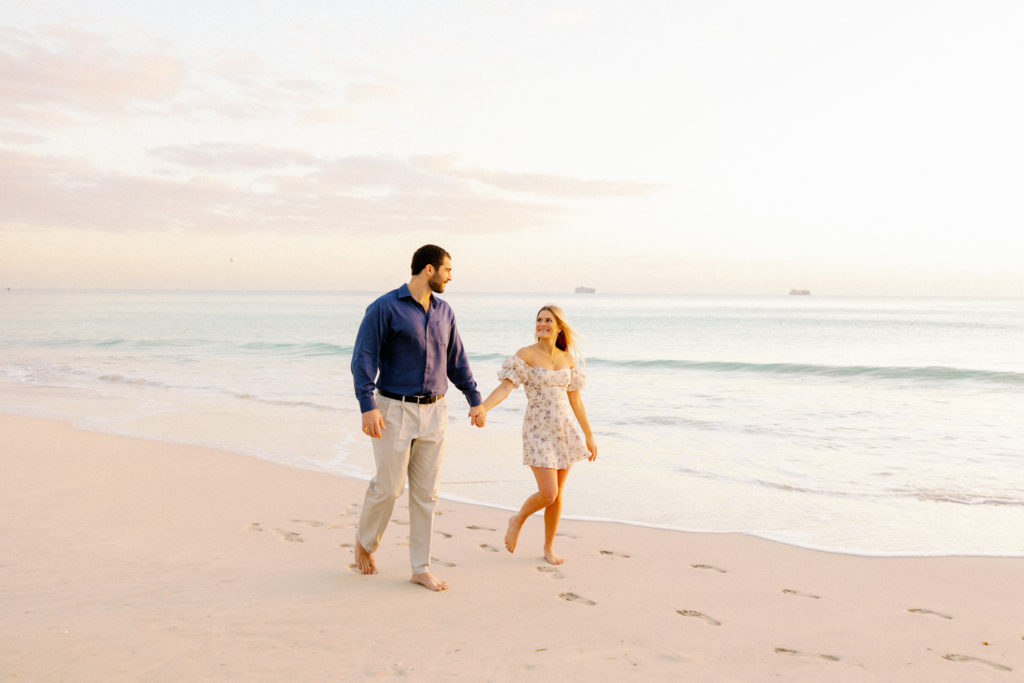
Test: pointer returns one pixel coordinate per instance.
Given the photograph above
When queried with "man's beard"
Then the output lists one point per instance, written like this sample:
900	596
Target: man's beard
436	283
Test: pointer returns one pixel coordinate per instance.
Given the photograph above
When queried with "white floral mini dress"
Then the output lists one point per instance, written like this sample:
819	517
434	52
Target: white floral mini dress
551	435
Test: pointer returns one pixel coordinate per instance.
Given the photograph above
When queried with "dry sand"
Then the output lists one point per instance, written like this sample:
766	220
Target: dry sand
124	559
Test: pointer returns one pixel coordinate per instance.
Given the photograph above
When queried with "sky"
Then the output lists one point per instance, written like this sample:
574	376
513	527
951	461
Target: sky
694	147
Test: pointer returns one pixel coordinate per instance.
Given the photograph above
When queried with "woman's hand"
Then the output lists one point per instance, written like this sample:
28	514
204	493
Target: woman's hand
478	416
592	447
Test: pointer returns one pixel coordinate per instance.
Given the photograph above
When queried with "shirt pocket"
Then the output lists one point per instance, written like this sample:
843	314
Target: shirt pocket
438	334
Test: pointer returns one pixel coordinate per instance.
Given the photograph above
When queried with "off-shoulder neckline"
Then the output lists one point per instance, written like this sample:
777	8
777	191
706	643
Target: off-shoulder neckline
537	367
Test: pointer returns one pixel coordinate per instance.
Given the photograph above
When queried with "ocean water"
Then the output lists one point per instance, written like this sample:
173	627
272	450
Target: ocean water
877	426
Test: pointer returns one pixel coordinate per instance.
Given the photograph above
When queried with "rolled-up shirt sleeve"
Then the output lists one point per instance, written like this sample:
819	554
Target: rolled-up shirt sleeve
366	356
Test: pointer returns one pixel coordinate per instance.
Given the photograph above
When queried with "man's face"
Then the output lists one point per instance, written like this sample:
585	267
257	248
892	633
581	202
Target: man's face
442	276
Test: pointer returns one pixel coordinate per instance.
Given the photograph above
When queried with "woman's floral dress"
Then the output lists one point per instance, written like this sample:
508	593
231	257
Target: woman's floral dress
551	435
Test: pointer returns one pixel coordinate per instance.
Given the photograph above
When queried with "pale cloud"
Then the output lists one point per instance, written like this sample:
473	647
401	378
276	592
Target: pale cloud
232	156
301	88
54	192
356	99
539	183
62	76
436	174
51	76
20	138
351	195
371	93
241	63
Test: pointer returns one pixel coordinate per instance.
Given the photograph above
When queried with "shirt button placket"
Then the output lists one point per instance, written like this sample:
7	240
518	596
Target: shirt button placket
426	345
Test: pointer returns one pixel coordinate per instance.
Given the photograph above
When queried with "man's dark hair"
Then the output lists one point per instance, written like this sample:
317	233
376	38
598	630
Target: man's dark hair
428	255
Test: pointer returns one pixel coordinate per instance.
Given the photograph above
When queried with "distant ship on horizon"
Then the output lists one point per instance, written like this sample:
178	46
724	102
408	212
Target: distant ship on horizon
799	292
585	290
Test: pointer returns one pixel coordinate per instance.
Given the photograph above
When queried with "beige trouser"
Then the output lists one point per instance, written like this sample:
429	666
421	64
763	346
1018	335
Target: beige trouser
413	442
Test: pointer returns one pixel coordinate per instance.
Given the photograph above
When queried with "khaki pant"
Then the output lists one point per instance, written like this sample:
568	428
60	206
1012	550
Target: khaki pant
414	443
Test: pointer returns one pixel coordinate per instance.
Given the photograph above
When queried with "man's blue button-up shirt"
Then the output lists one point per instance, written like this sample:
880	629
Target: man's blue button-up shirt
415	351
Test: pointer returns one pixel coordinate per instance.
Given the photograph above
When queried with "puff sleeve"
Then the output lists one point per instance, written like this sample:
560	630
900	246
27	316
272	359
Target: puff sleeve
513	370
577	380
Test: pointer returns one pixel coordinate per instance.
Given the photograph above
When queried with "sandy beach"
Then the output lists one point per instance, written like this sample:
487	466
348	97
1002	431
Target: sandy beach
126	559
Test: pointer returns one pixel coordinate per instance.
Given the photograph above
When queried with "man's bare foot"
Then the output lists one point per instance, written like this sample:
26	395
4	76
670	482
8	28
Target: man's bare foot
512	534
550	556
364	560
428	580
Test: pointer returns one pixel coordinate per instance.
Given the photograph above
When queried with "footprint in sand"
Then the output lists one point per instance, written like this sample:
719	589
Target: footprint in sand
474	527
918	610
796	653
489	548
790	591
255	526
975	660
699	615
572	597
393	671
612	553
708	566
443	563
443	534
290	536
566	535
403	522
553	571
346	545
344	525
355	570
307	522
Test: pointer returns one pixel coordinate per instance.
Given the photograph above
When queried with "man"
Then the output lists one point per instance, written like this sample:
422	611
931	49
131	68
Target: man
409	337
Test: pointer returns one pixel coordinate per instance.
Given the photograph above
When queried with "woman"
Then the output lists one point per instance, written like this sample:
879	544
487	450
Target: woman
555	429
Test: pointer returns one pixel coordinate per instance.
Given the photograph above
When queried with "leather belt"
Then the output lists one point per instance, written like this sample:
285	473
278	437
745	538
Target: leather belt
410	399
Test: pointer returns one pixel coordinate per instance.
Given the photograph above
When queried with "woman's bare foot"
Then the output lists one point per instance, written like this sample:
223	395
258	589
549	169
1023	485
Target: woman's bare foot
512	534
364	560
428	580
550	556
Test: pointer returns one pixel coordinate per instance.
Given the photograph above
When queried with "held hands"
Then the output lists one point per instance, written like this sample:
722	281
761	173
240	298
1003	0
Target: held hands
373	424
478	416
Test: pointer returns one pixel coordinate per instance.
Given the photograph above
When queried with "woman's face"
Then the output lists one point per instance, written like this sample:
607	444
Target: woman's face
547	328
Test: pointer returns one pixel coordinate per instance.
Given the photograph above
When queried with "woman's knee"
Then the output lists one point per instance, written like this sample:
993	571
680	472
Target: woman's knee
548	497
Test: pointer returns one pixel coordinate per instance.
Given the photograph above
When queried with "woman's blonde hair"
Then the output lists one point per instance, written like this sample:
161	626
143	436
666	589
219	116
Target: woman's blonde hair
567	338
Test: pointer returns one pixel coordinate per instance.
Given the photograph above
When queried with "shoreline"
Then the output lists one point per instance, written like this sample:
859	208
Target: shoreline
466	500
134	559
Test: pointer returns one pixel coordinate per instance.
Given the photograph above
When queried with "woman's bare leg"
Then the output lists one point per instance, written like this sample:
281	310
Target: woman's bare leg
547	493
552	514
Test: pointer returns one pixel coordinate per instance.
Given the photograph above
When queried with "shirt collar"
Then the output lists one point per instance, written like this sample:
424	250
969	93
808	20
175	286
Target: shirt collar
404	293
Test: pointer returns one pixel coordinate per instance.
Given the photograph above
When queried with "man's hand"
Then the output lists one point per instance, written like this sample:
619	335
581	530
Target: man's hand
478	416
373	423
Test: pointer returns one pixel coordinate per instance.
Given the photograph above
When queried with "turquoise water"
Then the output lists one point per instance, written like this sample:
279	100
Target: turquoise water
867	425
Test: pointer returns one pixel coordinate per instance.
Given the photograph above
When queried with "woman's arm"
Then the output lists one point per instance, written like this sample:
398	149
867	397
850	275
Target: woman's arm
499	394
576	401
